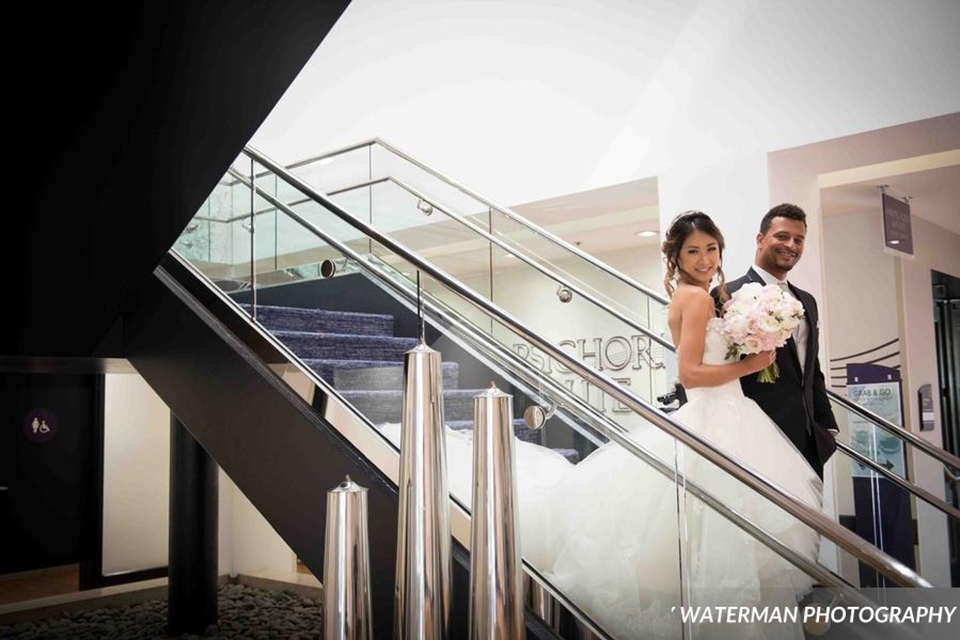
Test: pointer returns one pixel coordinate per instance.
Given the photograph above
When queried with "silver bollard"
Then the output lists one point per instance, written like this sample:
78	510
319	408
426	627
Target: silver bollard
346	565
422	596
543	604
496	593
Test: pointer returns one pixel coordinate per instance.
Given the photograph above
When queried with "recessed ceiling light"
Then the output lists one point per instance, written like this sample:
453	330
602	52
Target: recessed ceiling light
509	255
646	234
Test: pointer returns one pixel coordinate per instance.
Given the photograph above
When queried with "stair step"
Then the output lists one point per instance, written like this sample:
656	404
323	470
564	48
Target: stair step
335	346
373	375
387	405
571	455
323	321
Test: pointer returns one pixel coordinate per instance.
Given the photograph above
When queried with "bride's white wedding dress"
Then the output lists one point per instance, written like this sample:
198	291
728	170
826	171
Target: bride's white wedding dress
609	534
618	533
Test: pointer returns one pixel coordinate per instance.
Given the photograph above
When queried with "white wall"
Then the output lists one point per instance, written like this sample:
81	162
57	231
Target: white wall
874	296
136	475
530	99
939	249
860	292
599	339
860	283
136	493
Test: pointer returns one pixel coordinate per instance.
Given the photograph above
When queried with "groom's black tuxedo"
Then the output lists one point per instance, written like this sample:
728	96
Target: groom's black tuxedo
797	401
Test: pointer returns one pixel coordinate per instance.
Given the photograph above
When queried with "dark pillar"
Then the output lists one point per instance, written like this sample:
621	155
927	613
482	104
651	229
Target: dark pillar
192	591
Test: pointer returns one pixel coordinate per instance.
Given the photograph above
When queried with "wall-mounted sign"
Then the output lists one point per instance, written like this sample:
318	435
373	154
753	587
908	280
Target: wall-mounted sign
40	425
928	419
897	231
876	388
633	361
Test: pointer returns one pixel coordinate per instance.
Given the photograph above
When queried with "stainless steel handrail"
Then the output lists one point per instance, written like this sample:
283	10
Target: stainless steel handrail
885	564
906	485
932	450
517	253
484	200
919	492
346	410
517	366
928	448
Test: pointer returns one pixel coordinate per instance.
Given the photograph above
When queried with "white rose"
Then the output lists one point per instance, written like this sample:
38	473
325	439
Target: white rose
752	344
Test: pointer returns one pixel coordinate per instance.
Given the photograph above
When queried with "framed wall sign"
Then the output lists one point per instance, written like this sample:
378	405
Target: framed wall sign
876	388
897	230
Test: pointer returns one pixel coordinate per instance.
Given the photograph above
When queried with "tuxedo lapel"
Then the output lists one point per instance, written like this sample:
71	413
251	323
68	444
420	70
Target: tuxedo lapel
792	346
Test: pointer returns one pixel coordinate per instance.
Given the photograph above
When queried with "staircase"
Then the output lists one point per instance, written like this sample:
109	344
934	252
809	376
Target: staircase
359	355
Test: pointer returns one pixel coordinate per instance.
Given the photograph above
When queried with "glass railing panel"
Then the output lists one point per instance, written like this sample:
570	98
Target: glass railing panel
332	174
426	223
594	421
385	163
570	539
575	269
757	556
879	510
546	251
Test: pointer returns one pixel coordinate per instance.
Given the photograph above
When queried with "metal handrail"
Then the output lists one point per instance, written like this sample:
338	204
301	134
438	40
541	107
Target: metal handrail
518	254
919	492
518	367
898	431
943	456
484	200
863	550
905	485
938	453
350	411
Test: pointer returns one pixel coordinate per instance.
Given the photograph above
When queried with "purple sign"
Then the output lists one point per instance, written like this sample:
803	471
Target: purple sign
40	425
897	232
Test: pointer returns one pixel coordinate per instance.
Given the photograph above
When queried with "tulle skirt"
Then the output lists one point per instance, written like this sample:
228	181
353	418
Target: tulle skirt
631	544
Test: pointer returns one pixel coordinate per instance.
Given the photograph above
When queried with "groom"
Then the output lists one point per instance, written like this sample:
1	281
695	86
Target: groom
797	401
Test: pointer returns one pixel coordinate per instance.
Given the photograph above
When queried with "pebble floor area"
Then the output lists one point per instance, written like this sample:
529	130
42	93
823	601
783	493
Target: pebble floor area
245	612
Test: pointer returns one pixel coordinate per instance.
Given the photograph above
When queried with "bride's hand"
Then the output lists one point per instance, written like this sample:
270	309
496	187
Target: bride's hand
759	361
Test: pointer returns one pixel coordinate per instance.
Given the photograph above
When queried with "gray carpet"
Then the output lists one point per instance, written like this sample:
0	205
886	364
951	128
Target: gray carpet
361	357
245	612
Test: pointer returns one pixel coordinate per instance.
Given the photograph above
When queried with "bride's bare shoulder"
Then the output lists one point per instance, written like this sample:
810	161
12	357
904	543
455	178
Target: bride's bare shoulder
688	297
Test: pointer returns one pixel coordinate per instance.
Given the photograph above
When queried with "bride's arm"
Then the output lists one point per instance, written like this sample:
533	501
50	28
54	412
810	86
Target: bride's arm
696	309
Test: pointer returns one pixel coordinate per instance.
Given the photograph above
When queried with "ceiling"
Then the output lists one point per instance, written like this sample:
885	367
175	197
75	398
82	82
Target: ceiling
601	220
935	195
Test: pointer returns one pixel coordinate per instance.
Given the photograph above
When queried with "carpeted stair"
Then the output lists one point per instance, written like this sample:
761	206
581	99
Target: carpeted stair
361	357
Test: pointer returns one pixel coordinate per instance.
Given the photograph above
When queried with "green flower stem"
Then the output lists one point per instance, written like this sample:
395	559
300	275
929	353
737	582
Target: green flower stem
770	374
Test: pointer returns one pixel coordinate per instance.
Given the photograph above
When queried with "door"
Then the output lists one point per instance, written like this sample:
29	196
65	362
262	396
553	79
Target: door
50	469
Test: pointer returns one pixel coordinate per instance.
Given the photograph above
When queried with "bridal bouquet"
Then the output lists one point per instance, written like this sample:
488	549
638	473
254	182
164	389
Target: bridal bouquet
759	318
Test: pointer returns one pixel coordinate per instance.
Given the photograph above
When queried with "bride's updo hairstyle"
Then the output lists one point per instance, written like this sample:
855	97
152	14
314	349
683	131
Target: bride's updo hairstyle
680	229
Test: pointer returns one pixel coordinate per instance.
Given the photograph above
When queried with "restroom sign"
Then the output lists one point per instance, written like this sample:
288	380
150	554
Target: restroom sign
40	425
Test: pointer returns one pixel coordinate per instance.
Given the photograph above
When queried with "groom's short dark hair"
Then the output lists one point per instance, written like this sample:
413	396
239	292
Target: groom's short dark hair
785	210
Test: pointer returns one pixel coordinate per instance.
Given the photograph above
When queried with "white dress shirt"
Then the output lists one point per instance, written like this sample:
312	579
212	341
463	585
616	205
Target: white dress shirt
802	330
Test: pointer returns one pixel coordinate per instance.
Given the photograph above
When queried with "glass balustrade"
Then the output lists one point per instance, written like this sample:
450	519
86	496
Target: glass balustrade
571	289
249	245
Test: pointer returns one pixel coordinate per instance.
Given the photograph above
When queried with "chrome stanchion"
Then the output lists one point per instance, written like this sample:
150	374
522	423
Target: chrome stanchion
346	565
543	604
422	598
496	594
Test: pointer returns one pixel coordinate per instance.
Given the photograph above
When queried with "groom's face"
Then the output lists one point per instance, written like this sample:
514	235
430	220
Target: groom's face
780	248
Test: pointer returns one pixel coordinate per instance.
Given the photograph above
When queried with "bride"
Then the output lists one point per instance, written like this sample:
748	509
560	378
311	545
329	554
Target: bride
617	537
624	542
